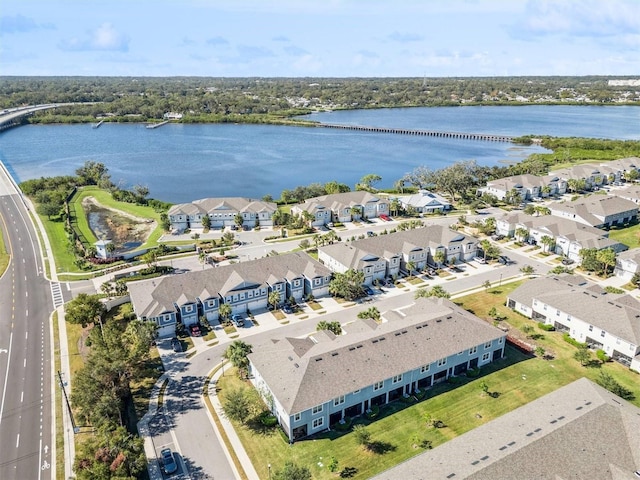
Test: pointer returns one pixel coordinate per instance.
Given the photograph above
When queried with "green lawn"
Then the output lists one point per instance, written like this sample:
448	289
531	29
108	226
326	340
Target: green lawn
630	236
4	255
518	379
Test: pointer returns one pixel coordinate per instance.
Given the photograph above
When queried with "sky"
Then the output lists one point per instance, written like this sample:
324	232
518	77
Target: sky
319	38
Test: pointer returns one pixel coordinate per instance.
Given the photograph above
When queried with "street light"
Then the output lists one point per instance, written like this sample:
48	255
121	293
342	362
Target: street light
500	284
269	467
222	360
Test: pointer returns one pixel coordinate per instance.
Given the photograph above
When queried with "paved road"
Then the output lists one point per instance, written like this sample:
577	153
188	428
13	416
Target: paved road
26	401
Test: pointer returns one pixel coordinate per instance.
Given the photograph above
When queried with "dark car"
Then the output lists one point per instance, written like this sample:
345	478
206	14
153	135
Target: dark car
195	330
169	464
367	289
567	261
505	260
370	234
176	345
237	320
287	309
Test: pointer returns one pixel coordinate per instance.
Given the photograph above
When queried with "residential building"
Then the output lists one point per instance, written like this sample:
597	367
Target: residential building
222	213
185	298
570	237
592	174
580	431
425	202
598	211
628	264
527	186
314	382
343	207
585	311
388	255
629	192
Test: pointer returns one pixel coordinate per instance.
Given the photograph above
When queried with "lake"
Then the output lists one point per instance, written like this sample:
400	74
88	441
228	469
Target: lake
181	163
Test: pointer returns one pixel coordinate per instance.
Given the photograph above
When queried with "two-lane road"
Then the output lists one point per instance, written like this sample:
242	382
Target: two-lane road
26	428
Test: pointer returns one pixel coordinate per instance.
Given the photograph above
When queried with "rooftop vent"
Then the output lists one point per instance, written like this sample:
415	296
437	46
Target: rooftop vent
318	359
296	365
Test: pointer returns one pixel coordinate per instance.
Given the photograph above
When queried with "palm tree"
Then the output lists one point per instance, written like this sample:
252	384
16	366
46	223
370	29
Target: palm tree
274	299
237	353
521	234
440	257
548	242
372	313
394	206
224	311
485	245
356	212
411	266
606	257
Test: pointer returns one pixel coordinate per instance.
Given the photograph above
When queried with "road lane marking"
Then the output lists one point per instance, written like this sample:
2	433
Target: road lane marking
18	441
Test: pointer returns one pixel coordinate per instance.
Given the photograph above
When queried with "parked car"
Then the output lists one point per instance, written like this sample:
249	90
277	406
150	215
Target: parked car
287	308
237	320
384	217
169	464
176	345
497	237
368	290
505	260
567	261
195	330
370	234
480	259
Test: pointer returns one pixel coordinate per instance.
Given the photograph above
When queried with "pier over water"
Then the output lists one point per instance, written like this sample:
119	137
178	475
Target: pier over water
425	133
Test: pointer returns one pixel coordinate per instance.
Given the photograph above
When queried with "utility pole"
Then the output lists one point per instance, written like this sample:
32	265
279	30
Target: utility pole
66	399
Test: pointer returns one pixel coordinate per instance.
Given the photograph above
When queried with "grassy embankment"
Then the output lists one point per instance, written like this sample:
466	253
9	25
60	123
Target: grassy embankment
4	254
518	379
64	257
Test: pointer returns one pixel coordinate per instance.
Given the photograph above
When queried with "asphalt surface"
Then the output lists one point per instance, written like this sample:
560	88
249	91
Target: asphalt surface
26	377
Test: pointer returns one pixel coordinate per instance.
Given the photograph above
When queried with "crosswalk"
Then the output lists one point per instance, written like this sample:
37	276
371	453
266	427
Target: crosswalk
56	294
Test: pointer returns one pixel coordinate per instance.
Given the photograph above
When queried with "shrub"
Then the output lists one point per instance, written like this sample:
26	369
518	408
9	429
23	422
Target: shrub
373	412
602	355
546	327
268	420
473	372
567	338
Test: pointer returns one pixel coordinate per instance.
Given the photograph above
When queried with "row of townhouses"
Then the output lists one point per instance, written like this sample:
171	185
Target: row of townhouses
569	236
600	211
222	213
315	382
589	314
185	298
387	256
551	438
555	183
343	207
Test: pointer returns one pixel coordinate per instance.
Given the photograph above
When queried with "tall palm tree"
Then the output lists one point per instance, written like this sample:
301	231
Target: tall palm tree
411	266
274	299
521	233
548	242
237	353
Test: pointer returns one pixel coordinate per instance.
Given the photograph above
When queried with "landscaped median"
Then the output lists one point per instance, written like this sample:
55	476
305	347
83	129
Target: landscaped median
406	427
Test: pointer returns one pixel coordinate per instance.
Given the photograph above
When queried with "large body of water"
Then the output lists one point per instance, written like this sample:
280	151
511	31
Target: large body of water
181	163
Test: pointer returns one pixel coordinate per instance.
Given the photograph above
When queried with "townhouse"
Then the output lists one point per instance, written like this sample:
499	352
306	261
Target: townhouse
527	186
628	192
389	255
585	311
569	236
579	431
425	202
628	264
593	175
314	382
185	298
343	207
222	213
598	211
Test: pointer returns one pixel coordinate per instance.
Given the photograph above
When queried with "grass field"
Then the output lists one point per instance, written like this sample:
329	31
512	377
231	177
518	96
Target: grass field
4	254
630	236
518	379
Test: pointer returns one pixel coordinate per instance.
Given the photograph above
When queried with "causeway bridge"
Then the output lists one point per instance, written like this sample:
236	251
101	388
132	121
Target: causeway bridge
424	133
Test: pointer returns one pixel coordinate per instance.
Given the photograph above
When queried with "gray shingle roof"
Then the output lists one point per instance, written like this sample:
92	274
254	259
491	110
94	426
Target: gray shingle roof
209	205
302	373
154	296
580	431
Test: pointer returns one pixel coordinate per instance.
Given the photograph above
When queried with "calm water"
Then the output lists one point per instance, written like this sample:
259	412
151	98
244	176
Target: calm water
181	163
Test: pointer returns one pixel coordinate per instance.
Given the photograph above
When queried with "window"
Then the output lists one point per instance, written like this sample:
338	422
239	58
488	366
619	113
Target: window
442	361
485	357
188	308
297	417
602	333
396	379
378	386
318	422
473	350
424	368
591	328
316	409
557	312
487	345
338	401
500	340
212	303
356	391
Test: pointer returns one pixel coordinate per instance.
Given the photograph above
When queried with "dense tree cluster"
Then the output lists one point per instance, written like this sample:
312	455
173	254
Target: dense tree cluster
211	99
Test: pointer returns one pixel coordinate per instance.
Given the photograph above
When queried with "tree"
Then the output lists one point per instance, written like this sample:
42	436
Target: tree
206	222
394	206
521	234
224	310
347	285
513	197
547	242
366	182
582	355
372	313
91	172
607	257
334	327
150	258
589	259
274	299
527	270
484	387
362	435
486	285
237	405
84	309
293	471
335	187
435	291
239	220
540	352
485	245
48	209
237	353
607	381
440	257
411	266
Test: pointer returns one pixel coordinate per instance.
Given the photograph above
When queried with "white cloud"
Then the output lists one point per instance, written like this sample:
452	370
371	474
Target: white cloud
105	37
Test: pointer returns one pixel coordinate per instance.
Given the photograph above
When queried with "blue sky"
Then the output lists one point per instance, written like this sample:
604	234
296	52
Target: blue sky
327	38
